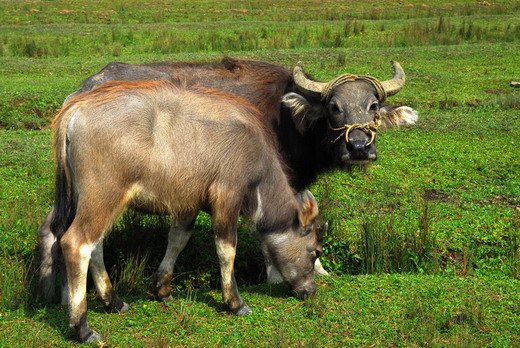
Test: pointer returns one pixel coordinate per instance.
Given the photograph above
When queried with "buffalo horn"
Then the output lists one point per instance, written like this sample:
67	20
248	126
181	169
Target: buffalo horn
306	85
395	84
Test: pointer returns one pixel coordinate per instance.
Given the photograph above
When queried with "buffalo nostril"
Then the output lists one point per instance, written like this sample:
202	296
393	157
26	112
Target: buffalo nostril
358	145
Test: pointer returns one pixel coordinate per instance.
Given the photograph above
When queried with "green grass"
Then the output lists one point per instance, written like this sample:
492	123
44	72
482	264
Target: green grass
425	244
384	310
133	12
115	40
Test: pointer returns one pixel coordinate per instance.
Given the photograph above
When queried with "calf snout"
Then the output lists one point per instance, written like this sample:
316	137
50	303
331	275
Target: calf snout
305	291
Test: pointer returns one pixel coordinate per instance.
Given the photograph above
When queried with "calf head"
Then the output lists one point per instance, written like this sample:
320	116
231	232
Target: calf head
293	253
344	114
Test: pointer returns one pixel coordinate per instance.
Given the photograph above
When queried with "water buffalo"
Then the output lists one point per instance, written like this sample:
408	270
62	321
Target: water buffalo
317	127
157	147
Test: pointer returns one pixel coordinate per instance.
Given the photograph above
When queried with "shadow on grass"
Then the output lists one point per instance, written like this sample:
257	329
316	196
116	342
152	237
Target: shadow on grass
213	298
55	316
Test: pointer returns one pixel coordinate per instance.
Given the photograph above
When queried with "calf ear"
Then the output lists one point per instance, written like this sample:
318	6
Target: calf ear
303	113
308	209
392	116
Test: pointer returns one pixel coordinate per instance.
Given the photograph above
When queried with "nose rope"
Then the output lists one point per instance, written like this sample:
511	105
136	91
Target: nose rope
370	128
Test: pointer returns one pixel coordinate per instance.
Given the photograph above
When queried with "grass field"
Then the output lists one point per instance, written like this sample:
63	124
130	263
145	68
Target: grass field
424	246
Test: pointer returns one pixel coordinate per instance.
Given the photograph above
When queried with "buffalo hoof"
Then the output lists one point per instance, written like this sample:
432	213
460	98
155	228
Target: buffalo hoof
94	337
162	289
167	299
124	308
244	310
86	334
117	306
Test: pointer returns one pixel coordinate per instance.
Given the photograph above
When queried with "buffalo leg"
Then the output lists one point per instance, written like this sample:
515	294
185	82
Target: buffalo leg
77	255
102	282
48	245
178	237
51	263
225	211
226	251
83	242
319	270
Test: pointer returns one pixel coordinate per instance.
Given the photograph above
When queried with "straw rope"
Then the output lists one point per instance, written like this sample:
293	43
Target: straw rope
329	87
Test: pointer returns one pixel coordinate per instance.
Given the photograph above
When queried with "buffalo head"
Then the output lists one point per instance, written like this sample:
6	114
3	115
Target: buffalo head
345	113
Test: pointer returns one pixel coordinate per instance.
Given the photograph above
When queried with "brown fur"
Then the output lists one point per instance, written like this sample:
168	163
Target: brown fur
175	150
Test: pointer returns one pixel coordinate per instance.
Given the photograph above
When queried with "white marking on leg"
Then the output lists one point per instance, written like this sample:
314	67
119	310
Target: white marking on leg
99	273
259	213
78	294
226	254
178	237
85	251
319	270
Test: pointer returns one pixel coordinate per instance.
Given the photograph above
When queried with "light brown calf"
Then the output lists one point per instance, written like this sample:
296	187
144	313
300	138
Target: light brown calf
156	147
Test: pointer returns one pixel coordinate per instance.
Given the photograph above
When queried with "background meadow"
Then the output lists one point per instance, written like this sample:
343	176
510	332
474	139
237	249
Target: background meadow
424	246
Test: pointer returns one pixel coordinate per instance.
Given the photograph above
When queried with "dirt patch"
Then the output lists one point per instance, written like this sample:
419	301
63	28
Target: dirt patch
436	195
495	91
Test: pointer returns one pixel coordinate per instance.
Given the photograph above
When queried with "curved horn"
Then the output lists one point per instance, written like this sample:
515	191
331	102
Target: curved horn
394	85
305	85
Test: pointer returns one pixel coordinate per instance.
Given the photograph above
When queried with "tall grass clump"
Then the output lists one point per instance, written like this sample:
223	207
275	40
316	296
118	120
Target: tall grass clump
445	31
24	46
130	276
505	101
386	249
428	322
17	282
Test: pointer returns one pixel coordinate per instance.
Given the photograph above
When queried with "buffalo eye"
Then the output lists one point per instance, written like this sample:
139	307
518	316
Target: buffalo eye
334	108
374	107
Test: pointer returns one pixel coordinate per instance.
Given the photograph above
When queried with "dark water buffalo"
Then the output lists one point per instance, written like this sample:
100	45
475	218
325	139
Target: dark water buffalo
307	116
317	127
171	150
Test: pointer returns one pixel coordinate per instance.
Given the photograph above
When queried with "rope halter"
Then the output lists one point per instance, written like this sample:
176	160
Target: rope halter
370	127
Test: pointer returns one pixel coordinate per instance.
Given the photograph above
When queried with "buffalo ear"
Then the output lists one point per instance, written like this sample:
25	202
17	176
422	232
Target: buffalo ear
308	210
392	116
303	113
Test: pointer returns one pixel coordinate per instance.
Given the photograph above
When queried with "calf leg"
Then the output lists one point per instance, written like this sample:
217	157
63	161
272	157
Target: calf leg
102	282
77	252
225	211
82	242
226	251
178	237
